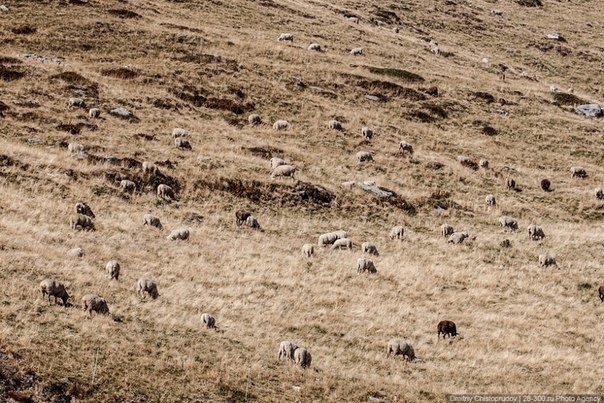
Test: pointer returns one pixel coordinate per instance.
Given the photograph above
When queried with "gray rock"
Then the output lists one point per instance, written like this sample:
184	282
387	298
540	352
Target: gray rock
590	110
121	112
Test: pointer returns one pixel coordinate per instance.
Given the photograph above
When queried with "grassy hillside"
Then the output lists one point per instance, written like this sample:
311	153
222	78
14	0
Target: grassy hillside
205	66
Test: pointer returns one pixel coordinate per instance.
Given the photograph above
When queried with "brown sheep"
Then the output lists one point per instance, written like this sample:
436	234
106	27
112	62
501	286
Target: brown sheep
546	185
601	291
83	208
446	327
400	347
241	216
54	288
511	184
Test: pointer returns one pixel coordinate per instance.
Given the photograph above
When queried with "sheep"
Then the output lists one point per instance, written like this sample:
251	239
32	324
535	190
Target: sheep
254	119
182	143
76	103
507	222
179	234
483	163
447	328
75	148
546	185
241	216
315	46
511	184
363	156
287	349
308	249
286	37
252	222
601	292
446	230
400	347
369	248
547	260
535	232
165	192
330	237
94	113
152	221
405	148
275	162
83	208
75	252
94	303
553	88
599	193
457	237
578	172
395	30
356	51
302	357
335	125
364	264
113	269
434	47
280	125
467	162
208	320
127	186
146	285
397	232
490	200
81	221
150	168
366	133
55	289
179	132
283	170
342	243
354	20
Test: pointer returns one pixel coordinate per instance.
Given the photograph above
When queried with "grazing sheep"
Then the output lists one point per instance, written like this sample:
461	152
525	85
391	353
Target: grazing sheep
147	285
354	20
283	170
179	132
395	30
179	234
535	232
286	37
287	349
330	237
599	193
76	103
308	249
315	46
342	243
490	200
545	185
511	184
457	237
367	133
165	192
483	163
83	208
281	125
75	252
547	260
400	347
446	230
182	143
55	289
364	264
578	172
75	148
95	303
335	125
152	220
302	357
363	156
467	162
94	113
397	232
275	162
150	168
127	186
208	320
369	248
356	51
601	292
434	47
241	216
252	222
254	119
405	148
81	221
113	269
447	328
507	222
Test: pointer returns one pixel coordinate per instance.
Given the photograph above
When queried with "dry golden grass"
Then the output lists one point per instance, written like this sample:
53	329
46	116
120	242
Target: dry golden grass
524	329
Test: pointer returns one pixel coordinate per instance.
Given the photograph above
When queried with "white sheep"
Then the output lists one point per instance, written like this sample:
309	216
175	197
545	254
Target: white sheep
369	248
76	103
364	156
354	20
275	162
490	200
287	349
535	232
150	168
547	260
400	347
152	220
127	185
507	222
208	320
578	172
283	170
315	46
364	264
335	125
599	193
81	221
53	288
254	119
252	222
75	252
113	269
446	230
75	148
280	125
342	243
302	357
457	237
366	133
330	237
94	113
179	234
182	143
165	192
286	37
434	47
308	249
179	132
356	51
147	285
397	232
94	303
